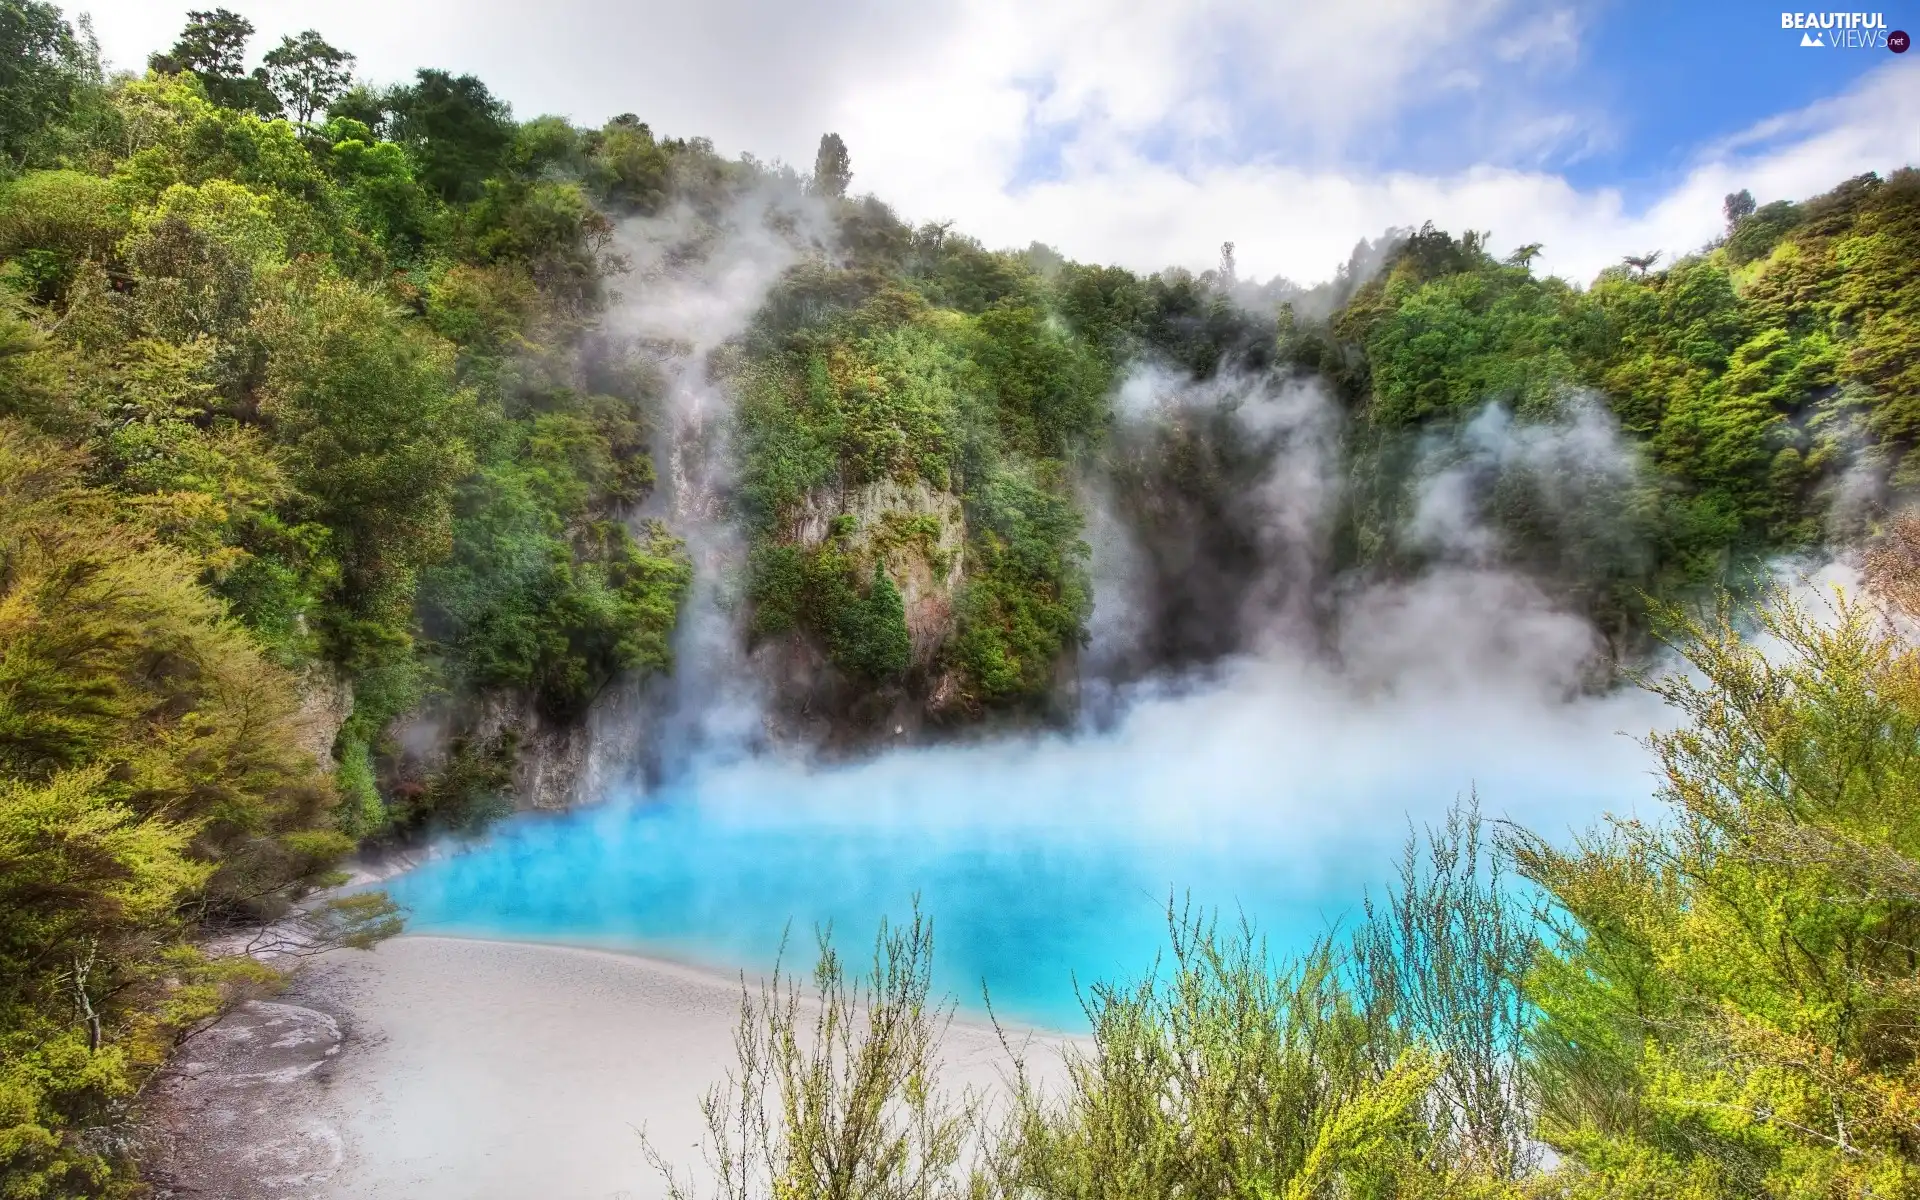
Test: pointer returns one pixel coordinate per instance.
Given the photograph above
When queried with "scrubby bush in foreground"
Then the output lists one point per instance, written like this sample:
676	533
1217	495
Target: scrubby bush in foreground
1722	1002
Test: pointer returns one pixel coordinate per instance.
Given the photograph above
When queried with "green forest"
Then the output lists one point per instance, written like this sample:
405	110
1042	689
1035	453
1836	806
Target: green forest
315	417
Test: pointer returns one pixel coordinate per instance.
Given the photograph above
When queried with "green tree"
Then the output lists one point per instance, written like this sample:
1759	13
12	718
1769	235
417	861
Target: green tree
307	75
832	168
456	127
630	166
45	68
868	633
1738	207
1050	391
213	48
151	777
369	415
370	106
1026	598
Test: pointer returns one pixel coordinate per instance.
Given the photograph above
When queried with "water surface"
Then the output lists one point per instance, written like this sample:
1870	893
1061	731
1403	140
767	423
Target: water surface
1042	863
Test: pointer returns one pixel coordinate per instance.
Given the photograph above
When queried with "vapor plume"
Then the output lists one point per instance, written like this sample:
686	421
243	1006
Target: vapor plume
697	280
1264	722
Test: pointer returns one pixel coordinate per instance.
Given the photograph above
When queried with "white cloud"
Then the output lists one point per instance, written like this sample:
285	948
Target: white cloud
762	76
1145	108
752	74
1550	36
943	158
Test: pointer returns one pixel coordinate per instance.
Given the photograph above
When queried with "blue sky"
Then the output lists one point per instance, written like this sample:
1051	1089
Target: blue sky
1631	92
1668	78
1147	132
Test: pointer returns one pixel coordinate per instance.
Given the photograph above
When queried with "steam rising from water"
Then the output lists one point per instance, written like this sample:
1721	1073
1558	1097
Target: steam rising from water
1278	791
1331	713
697	281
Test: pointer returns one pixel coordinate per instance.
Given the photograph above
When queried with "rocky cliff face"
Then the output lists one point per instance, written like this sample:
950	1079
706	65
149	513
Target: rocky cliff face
550	763
326	701
558	764
917	535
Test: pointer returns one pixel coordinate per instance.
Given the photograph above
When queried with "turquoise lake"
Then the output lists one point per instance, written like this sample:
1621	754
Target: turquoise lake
1042	863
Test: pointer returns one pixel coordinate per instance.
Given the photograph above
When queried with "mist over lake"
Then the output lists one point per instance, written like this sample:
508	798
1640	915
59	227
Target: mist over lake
1046	862
600	599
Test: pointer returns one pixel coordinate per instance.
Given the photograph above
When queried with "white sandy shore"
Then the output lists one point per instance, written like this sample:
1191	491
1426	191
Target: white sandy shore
471	1070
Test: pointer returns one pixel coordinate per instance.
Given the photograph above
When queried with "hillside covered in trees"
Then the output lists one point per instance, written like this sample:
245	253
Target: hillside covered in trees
320	427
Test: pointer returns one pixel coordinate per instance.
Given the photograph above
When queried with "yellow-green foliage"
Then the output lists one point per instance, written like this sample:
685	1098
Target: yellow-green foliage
356	407
1732	1004
52	221
149	761
85	882
839	1093
1230	1076
1222	1075
259	389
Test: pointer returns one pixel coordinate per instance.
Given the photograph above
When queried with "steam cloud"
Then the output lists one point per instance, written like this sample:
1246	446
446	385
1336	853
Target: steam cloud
697	279
1259	726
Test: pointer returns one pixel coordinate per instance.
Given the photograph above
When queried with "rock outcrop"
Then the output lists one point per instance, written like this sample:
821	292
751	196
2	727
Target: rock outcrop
326	701
917	533
229	1117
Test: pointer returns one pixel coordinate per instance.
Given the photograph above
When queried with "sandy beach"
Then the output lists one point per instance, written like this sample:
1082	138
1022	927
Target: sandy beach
447	1069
